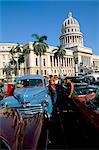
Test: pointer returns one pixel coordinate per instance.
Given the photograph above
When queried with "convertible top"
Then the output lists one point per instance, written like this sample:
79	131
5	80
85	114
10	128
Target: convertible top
30	77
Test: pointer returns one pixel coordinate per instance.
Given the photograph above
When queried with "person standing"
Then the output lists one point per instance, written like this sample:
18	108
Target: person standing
68	89
53	92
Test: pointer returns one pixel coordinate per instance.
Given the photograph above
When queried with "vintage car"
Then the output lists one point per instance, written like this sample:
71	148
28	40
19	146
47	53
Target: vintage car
89	109
77	80
95	75
19	132
29	90
88	79
85	93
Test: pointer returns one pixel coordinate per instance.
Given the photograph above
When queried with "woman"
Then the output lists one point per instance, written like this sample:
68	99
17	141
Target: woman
53	91
67	91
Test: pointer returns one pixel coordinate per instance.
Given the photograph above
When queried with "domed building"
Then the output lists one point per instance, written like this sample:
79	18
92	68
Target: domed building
77	60
71	35
72	39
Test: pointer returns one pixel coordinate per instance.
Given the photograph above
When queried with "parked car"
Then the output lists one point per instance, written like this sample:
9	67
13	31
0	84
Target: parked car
19	132
78	82
29	90
94	75
89	79
86	90
89	109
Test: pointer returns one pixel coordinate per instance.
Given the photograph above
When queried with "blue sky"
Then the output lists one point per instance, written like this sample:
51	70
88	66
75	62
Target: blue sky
19	19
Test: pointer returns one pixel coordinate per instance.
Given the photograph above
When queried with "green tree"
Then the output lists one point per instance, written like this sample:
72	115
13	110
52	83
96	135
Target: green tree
40	47
17	57
12	52
23	58
12	60
21	55
59	54
7	69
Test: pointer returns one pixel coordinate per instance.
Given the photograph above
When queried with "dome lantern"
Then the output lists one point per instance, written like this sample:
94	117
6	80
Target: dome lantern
69	14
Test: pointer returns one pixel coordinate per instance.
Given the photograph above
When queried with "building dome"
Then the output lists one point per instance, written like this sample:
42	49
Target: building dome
70	21
71	35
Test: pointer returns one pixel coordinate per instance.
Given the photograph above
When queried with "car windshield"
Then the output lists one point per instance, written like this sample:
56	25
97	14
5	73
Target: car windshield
29	83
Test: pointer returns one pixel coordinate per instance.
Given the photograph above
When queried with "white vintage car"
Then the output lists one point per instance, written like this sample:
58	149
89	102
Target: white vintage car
30	91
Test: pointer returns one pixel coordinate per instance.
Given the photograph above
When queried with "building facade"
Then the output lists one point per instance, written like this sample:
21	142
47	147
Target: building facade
77	60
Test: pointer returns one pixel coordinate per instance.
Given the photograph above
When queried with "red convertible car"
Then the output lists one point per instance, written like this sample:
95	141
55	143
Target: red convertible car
84	98
19	132
89	109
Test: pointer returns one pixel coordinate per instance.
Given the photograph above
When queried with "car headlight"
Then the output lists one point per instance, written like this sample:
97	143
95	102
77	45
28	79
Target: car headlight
4	104
44	103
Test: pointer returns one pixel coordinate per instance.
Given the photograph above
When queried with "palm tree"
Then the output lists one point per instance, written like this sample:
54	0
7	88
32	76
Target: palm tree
59	54
7	69
17	57
18	52
12	52
23	58
40	47
21	55
12	60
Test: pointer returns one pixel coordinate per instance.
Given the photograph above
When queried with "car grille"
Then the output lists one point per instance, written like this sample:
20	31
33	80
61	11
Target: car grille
30	110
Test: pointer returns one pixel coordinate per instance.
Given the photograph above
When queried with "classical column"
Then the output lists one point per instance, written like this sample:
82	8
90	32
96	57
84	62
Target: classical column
66	61
66	40
76	66
52	61
72	62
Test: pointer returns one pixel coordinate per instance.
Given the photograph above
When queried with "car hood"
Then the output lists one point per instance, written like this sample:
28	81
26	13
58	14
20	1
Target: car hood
28	94
28	97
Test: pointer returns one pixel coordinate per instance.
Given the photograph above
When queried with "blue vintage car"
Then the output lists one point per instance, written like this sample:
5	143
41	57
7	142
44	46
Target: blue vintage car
29	90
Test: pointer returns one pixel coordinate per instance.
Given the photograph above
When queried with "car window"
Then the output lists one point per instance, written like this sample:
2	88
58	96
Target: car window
29	83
